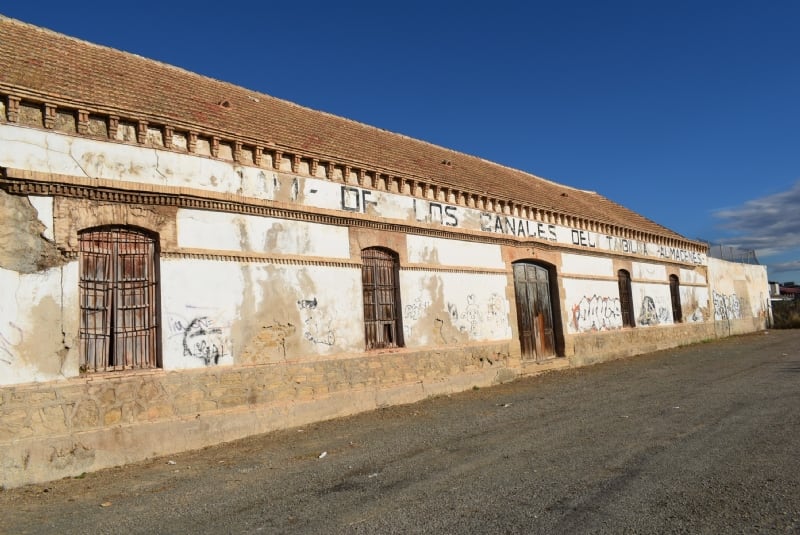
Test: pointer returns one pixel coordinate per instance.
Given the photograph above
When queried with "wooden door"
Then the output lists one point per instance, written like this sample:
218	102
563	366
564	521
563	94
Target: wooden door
534	311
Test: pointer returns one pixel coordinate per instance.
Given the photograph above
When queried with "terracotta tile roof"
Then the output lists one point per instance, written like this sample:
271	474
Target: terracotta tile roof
35	62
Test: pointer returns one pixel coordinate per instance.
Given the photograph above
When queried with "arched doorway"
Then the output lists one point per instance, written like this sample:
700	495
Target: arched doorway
534	311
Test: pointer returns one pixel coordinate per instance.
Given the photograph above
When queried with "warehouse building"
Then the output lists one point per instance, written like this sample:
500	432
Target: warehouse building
186	262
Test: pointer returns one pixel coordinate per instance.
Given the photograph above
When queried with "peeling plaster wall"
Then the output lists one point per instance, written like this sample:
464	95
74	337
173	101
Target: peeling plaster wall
262	313
49	152
451	308
38	325
738	291
694	303
648	271
26	234
574	264
691	276
268	313
235	232
652	304
437	251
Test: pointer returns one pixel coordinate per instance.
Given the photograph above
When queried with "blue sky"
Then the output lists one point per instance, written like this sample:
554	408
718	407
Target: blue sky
687	112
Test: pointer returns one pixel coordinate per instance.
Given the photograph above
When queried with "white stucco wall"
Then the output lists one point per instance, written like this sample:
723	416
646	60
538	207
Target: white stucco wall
574	264
738	291
437	251
38	325
591	305
446	308
652	304
44	211
245	233
691	276
51	152
648	271
695	304
209	303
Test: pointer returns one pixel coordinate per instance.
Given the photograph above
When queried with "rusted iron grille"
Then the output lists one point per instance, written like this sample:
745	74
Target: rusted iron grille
379	277
118	295
625	298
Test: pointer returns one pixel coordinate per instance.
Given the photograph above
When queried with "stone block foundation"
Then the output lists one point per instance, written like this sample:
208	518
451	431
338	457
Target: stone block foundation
61	429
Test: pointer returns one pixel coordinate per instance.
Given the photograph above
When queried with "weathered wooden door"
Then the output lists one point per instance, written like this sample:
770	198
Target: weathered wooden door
379	277
534	311
118	297
675	295
625	298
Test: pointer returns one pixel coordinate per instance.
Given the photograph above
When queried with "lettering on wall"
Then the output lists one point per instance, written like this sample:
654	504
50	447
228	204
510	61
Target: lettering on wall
523	228
396	206
597	313
471	317
681	255
624	245
417	308
356	199
726	307
434	212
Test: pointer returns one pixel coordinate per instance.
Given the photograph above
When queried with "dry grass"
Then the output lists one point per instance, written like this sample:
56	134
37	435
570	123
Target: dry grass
786	314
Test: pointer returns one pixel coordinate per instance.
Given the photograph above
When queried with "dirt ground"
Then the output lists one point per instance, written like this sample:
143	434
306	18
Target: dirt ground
700	439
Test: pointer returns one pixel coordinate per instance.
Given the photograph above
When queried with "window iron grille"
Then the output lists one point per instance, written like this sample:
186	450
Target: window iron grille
118	289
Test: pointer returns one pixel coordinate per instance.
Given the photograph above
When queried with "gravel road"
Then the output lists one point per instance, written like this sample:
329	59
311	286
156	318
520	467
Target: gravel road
700	439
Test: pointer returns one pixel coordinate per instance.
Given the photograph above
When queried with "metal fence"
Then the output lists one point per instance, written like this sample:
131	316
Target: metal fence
732	254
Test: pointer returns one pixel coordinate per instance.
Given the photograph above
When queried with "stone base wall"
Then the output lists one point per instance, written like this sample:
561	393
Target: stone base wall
60	429
591	348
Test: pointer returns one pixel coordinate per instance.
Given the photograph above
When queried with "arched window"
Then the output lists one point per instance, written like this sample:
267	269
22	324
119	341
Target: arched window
379	277
118	292
625	298
675	294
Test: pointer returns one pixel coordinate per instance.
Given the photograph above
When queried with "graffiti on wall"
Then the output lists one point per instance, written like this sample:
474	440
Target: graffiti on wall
471	316
417	308
478	319
597	313
319	332
307	303
316	328
204	340
726	307
652	313
202	337
9	337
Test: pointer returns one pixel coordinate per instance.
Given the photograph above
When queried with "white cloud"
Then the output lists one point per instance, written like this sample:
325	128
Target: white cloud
785	266
770	224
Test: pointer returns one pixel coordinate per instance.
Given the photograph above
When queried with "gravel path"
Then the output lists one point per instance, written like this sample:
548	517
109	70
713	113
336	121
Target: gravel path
700	439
